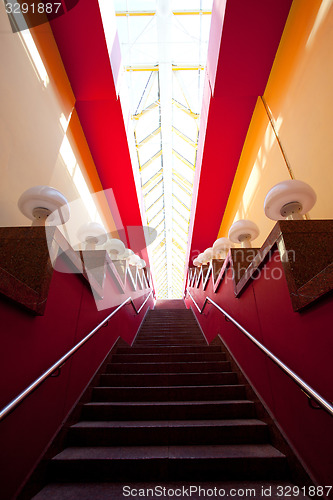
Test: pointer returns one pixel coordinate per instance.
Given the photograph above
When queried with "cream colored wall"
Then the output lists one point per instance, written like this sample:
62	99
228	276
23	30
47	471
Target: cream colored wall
299	95
33	118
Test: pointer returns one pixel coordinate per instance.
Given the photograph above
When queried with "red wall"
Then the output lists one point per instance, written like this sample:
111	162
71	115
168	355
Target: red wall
31	344
303	340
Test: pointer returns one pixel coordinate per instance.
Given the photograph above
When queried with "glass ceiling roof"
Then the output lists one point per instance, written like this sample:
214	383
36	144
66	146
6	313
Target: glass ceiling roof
164	47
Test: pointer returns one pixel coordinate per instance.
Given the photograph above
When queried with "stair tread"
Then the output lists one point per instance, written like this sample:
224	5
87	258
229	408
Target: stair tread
115	491
169	403
171	387
237	451
167	423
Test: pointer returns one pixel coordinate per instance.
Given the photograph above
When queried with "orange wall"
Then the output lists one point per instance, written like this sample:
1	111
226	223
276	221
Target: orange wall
300	98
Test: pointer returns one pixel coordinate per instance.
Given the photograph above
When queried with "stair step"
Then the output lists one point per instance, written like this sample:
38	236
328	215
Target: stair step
156	379
140	433
168	462
173	393
175	410
174	357
168	349
165	367
115	491
168	342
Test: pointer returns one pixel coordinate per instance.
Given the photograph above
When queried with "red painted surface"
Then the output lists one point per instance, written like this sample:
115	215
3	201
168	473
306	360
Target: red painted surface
81	42
30	345
301	340
243	42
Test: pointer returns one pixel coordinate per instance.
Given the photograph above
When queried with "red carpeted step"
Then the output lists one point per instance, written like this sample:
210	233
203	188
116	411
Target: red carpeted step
161	410
168	462
160	432
169	379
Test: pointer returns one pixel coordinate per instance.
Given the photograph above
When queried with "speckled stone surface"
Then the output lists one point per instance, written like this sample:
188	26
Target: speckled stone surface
240	259
217	266
120	266
27	261
95	262
26	267
306	253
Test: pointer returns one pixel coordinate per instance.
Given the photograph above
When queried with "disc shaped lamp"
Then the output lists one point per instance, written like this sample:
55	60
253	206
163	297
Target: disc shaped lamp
44	204
115	248
134	260
208	255
92	234
289	200
243	231
221	247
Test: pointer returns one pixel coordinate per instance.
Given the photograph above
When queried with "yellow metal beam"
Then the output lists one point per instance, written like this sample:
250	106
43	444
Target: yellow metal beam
142	67
183	159
151	206
180	227
146	110
152	179
188	67
135	13
181	202
157	155
178	245
183	180
180	215
183	136
158	213
185	109
159	246
152	188
139	13
147	139
182	187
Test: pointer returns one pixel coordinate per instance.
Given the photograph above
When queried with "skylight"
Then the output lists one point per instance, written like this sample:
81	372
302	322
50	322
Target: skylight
164	47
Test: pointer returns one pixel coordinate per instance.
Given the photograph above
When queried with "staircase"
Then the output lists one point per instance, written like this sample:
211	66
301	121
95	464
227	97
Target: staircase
167	409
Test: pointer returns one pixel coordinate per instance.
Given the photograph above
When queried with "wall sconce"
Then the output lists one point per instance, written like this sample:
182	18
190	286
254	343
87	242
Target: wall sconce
134	260
126	255
44	204
208	255
92	234
289	200
221	247
142	264
115	248
243	232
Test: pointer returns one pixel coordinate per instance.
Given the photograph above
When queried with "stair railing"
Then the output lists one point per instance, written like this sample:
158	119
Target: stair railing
59	364
311	393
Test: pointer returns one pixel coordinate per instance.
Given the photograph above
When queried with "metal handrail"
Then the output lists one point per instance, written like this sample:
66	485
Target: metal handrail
56	366
306	388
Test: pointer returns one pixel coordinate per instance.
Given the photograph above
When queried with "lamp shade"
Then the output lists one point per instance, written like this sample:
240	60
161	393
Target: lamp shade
134	260
221	247
242	230
201	258
141	264
115	247
92	233
126	254
289	192
47	201
208	254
